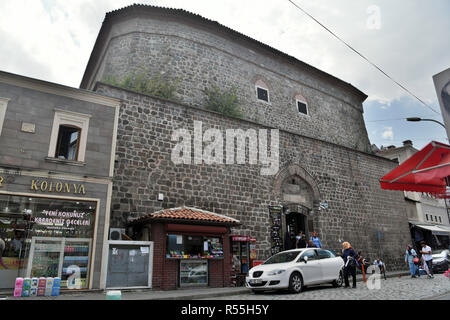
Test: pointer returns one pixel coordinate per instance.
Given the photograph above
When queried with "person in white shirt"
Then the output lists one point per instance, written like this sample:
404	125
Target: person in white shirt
427	257
380	264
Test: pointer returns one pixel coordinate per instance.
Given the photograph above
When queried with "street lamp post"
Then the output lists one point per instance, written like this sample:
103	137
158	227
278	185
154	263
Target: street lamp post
416	119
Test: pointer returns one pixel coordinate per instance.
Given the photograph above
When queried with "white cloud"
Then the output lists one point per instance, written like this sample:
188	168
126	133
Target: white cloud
388	133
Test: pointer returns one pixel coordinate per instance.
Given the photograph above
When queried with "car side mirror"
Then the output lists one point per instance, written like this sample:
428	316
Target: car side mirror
305	258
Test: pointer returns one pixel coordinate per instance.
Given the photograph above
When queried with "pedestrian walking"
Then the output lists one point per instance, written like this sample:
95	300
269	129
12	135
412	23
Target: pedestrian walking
311	244
2	248
315	239
412	259
349	255
381	266
302	243
299	239
428	258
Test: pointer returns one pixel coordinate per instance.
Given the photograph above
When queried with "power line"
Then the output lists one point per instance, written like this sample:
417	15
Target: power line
362	56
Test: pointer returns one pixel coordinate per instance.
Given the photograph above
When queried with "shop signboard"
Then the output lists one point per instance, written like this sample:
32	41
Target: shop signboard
442	86
275	229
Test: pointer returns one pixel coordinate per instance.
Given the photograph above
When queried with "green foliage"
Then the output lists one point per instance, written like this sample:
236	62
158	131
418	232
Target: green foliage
156	86
225	102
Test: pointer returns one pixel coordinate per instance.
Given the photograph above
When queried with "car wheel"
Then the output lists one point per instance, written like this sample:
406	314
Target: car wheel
295	282
339	281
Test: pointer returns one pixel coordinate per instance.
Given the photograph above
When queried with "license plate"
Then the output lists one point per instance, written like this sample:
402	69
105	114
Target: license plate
255	281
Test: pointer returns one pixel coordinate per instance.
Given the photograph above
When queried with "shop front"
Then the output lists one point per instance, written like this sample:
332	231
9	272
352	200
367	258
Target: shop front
49	228
191	247
243	256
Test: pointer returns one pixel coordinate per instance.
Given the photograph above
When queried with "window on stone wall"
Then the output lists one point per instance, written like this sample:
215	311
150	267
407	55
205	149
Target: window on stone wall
301	104
440	220
426	216
302	107
262	94
262	91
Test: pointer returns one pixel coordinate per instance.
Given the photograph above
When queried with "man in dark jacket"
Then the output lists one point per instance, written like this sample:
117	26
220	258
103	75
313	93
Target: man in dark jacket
350	257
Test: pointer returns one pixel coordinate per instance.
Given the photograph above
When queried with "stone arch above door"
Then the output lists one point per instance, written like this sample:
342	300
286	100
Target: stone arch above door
295	185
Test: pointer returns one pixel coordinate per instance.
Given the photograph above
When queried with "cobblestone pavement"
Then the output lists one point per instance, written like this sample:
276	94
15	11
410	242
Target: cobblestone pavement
403	288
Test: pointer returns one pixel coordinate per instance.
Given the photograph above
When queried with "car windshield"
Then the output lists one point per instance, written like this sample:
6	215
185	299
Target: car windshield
283	257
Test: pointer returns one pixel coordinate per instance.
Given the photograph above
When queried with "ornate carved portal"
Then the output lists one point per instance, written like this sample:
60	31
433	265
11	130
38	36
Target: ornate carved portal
299	194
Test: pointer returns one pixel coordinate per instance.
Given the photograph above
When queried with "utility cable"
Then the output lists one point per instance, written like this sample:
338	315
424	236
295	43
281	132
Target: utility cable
362	56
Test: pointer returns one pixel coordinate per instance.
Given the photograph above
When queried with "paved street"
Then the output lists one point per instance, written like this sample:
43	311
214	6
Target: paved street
403	288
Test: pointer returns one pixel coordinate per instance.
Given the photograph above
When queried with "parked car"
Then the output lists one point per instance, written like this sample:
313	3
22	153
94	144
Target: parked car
295	269
441	261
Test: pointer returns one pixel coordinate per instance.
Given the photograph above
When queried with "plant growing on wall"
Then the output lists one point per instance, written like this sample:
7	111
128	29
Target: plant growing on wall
156	86
225	101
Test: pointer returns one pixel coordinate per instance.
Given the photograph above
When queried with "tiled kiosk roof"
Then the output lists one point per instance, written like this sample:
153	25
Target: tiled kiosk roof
186	215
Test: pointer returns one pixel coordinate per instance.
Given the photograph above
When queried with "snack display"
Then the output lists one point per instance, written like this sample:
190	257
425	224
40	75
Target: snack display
26	287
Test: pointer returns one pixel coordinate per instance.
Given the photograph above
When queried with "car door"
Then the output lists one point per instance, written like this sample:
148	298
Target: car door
328	264
312	272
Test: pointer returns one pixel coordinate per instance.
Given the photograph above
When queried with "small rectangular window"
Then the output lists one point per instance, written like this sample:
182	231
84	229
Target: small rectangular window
440	220
302	108
68	142
426	216
262	94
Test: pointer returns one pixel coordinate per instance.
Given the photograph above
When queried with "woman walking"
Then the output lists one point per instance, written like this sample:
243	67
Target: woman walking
410	256
349	255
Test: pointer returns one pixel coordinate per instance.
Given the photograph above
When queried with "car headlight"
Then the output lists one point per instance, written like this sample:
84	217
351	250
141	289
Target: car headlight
275	272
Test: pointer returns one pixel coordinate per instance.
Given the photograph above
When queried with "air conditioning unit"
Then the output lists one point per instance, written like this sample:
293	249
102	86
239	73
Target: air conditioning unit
116	233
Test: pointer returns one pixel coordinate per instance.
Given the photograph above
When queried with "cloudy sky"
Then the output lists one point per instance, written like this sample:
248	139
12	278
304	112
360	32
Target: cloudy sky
409	39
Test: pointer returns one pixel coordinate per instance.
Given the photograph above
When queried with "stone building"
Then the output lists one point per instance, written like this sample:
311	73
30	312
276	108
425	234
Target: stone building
328	177
56	168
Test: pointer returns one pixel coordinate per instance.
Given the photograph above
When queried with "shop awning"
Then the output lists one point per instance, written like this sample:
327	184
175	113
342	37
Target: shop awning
425	171
436	230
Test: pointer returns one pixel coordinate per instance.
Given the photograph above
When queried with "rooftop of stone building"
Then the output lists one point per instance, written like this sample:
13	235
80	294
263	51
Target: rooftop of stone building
140	9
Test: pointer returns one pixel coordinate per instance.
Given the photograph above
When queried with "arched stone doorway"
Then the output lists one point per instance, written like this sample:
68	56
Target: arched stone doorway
299	196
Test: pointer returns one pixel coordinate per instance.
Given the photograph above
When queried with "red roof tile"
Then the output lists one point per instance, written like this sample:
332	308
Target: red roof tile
188	214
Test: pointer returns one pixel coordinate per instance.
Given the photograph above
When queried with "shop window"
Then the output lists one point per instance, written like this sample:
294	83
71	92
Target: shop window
69	136
3	105
46	237
190	247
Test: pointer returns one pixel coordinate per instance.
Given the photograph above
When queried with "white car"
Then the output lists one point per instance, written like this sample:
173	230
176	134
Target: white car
294	269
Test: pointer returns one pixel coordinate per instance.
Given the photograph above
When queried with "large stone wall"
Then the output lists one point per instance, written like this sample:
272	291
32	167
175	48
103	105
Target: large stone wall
346	179
200	55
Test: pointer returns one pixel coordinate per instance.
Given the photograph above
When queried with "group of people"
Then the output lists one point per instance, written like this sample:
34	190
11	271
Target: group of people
412	258
313	242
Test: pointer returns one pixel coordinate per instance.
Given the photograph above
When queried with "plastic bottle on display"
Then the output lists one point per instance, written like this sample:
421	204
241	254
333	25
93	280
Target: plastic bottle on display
18	287
34	283
48	286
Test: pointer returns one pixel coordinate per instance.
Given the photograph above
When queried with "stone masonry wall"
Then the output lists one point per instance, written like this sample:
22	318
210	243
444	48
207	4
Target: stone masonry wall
345	178
200	56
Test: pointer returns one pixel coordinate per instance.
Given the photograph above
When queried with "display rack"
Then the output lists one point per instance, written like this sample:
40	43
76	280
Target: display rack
60	257
193	273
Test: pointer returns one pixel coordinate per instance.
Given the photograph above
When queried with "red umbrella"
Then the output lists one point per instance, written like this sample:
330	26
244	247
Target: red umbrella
425	171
